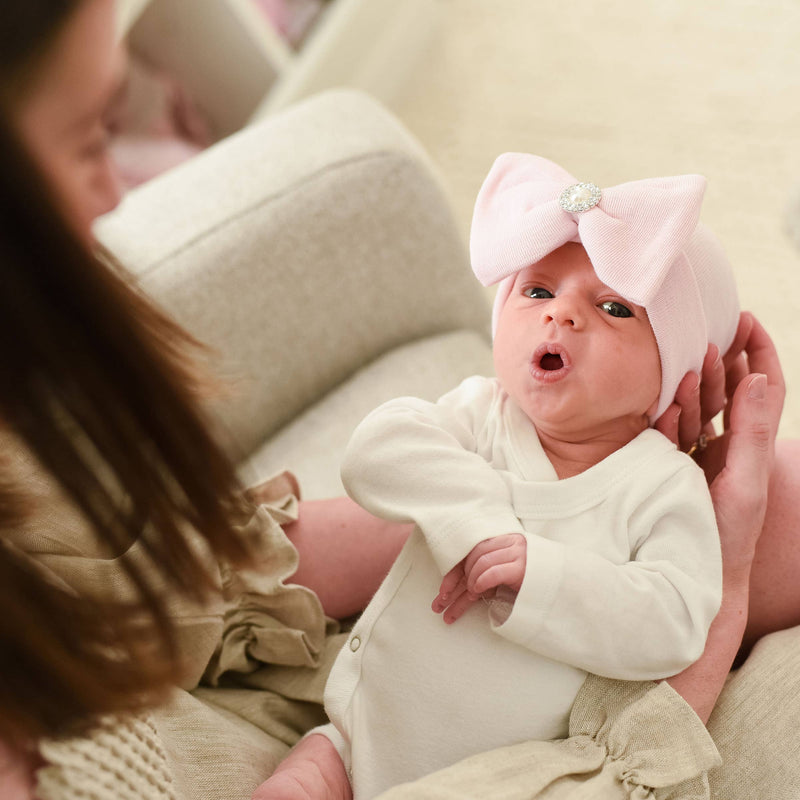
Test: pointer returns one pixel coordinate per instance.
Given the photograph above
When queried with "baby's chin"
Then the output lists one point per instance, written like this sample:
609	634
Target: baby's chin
615	432
559	410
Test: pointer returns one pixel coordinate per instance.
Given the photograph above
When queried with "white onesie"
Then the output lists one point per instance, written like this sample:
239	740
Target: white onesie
623	579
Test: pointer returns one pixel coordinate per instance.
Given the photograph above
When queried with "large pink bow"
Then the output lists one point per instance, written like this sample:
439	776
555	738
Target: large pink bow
632	236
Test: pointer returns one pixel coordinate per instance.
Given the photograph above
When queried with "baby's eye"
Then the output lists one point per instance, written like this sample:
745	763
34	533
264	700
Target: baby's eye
537	293
616	309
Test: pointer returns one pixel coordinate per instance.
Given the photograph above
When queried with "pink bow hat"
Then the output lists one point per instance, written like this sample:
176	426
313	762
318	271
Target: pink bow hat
643	238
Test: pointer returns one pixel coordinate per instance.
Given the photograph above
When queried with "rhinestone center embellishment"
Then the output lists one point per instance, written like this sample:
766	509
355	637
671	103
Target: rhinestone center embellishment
580	197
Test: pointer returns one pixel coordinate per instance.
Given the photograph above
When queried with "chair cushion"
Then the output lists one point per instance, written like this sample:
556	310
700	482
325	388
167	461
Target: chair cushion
312	445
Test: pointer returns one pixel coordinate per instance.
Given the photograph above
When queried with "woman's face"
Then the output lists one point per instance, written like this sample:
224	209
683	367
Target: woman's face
63	116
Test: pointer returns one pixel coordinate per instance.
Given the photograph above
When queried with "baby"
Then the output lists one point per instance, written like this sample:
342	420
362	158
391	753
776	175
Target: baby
590	537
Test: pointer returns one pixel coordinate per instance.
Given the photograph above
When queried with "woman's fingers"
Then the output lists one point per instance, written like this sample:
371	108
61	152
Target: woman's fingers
690	421
698	400
750	448
763	357
739	491
755	353
712	386
668	423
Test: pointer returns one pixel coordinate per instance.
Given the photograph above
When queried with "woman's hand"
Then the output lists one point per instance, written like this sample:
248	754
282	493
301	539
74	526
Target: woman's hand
699	399
738	465
748	384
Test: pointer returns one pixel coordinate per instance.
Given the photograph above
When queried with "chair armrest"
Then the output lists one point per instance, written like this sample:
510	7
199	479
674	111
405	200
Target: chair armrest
300	249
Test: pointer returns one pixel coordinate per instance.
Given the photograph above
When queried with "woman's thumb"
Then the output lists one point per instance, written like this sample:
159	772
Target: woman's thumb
751	447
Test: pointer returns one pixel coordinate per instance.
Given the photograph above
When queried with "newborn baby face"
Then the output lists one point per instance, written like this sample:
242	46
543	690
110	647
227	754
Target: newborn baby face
578	359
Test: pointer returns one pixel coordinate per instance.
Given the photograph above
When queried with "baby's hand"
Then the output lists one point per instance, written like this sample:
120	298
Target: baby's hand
453	598
494	562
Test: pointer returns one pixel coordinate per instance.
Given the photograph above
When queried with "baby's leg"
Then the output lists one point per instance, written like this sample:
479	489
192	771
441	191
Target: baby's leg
775	576
345	552
313	770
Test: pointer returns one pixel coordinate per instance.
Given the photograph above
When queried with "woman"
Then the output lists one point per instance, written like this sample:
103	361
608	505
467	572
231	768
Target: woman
87	359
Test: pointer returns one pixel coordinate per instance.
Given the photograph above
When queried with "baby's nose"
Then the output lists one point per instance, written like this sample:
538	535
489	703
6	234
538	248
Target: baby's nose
563	310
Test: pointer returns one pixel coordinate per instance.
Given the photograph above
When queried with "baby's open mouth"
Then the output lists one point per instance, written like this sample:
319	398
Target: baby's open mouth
551	357
551	361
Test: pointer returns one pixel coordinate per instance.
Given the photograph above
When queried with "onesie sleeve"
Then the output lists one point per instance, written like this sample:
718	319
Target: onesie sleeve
416	461
645	619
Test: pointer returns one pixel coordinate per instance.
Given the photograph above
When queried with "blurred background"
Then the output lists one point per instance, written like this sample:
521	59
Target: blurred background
611	90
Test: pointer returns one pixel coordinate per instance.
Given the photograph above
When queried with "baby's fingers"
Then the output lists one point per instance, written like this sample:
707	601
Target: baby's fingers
508	555
458	607
507	574
453	585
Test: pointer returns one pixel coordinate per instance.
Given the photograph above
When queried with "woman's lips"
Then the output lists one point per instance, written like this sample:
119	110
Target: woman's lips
550	362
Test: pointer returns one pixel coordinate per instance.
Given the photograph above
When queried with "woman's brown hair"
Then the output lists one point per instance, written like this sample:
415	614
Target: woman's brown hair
95	381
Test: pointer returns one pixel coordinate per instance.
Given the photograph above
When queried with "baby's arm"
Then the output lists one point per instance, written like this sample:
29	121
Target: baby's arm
313	770
643	619
492	563
415	461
